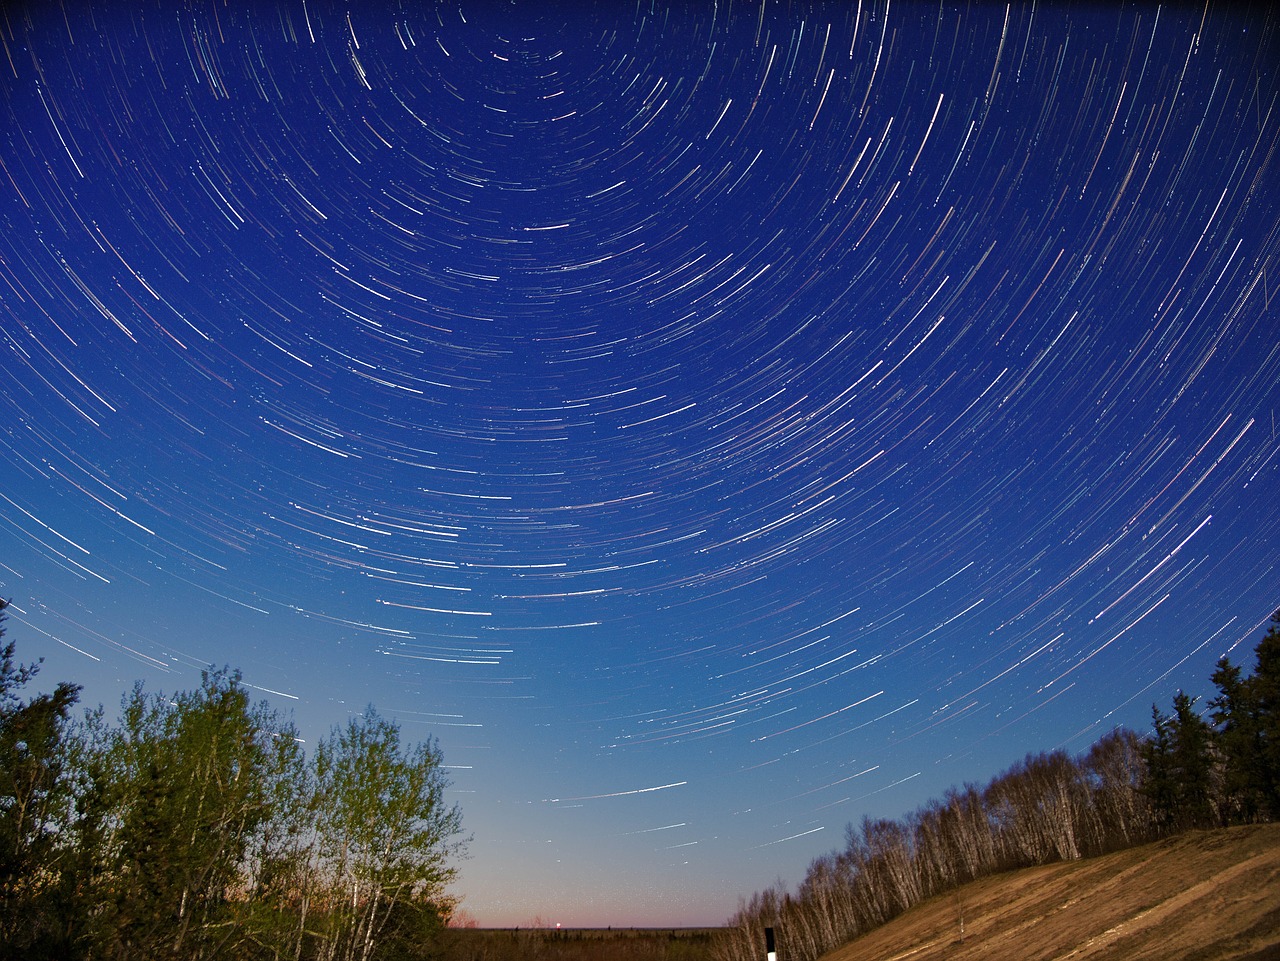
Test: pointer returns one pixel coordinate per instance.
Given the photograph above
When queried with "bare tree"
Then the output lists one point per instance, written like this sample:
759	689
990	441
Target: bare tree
1114	770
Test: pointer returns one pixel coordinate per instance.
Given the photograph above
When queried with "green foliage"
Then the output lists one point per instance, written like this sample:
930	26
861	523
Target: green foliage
35	807
190	782
1225	770
1235	719
196	829
385	836
1264	688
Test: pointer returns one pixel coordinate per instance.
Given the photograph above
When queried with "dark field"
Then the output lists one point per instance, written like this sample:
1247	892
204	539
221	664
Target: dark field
579	944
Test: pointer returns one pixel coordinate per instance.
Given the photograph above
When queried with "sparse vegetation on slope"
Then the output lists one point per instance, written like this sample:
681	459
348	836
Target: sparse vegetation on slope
1193	772
1204	895
1049	807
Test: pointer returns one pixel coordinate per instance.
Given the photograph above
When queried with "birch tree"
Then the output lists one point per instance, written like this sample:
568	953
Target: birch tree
386	838
1114	770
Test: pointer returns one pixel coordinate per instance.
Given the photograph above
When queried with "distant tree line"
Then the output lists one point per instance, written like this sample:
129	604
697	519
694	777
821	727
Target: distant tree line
1194	770
196	828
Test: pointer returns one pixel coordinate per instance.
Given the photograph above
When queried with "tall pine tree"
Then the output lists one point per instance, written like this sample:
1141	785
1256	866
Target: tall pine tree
1180	776
1265	692
1239	741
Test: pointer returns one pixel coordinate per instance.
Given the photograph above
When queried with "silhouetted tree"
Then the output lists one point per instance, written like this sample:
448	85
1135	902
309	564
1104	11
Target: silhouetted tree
1188	773
1180	767
1265	690
1238	736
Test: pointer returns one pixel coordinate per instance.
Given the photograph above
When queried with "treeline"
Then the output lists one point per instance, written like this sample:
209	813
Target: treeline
1196	769
196	827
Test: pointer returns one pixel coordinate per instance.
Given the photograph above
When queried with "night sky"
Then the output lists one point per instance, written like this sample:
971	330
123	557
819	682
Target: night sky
713	423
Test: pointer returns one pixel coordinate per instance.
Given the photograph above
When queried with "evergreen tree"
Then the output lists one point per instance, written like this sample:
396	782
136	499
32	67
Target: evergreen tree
1193	763
1246	718
1264	688
1239	741
1160	785
1179	759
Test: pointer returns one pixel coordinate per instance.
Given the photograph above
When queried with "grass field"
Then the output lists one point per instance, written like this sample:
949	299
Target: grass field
580	944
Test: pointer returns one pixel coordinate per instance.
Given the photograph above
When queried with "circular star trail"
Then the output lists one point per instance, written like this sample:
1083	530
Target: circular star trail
715	423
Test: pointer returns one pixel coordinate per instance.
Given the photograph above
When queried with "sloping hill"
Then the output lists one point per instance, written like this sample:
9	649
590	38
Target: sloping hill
1207	896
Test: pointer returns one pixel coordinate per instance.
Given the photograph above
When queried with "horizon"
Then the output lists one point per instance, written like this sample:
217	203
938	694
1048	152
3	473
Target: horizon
714	426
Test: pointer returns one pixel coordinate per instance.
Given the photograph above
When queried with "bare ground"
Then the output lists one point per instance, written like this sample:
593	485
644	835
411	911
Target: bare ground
1204	896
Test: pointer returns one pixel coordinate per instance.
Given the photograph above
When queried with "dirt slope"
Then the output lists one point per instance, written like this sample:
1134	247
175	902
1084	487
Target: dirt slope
1207	896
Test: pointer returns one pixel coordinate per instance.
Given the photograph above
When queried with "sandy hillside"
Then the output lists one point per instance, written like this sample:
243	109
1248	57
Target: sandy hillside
1208	896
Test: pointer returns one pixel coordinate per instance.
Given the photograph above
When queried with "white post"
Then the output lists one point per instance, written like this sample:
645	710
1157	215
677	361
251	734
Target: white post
768	944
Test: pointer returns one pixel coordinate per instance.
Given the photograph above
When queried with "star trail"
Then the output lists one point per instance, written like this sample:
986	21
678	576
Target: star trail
713	422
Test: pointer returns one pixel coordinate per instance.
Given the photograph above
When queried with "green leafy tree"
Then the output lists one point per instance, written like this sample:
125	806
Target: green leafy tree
35	808
386	839
190	790
276	908
195	829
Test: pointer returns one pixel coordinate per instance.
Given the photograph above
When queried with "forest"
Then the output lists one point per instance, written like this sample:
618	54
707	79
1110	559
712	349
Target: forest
1202	765
196	828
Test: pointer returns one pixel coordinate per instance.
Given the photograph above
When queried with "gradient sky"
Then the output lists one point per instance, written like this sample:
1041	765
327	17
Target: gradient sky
714	423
